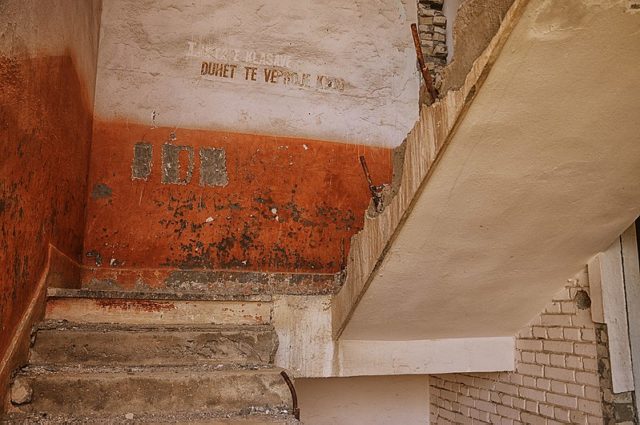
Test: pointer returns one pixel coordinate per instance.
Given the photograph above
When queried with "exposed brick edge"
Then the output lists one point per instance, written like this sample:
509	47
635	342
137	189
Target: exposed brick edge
562	374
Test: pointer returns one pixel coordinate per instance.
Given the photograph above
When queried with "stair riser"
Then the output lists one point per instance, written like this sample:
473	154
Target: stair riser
114	394
142	312
153	347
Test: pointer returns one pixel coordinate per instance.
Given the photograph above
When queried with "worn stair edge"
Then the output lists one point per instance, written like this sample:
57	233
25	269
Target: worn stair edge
144	311
148	390
132	419
139	345
152	295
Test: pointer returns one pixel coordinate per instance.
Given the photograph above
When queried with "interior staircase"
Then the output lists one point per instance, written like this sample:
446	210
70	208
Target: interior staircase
106	357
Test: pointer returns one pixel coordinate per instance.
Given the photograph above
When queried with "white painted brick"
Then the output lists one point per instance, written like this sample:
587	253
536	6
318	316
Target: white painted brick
528	381
527	357
595	420
573	362
555	320
539	332
518	403
546	410
585	349
529	344
558	346
508	412
532	419
553	308
485	406
575	389
590	407
572	334
590	364
506	388
555	333
531	406
530	369
559	374
562	400
543	384
568	307
561	414
543	358
531	394
559	387
592	393
588	378
557	360
577	417
589	335
582	318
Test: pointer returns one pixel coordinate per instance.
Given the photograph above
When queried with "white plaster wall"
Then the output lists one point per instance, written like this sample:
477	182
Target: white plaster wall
152	52
372	400
450	10
33	28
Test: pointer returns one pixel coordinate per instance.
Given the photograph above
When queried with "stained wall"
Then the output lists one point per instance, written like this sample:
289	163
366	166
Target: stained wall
48	53
228	135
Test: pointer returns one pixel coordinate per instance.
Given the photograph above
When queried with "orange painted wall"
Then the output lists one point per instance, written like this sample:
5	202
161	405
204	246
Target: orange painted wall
45	135
290	205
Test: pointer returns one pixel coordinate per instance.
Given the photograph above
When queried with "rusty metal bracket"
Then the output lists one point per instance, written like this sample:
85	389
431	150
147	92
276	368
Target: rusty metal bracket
423	66
376	191
294	395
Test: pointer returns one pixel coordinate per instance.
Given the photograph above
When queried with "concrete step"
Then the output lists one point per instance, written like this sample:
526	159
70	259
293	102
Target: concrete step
140	345
131	419
159	294
153	390
124	307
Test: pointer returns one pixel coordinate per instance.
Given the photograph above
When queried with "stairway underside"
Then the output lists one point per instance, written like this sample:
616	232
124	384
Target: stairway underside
540	174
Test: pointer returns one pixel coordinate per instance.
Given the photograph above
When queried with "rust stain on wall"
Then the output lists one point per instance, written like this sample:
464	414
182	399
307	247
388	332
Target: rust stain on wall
45	133
278	204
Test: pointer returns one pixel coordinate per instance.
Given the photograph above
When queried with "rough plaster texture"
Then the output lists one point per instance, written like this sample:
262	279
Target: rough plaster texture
538	156
362	83
472	25
364	401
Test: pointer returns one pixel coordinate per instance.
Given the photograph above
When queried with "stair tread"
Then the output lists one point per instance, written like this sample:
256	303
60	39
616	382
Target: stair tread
211	419
151	295
161	371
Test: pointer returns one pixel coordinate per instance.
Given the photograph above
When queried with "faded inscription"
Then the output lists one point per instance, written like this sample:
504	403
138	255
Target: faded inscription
272	75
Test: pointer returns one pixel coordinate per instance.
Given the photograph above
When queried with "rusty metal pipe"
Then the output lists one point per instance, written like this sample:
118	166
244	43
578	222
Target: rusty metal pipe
294	395
423	66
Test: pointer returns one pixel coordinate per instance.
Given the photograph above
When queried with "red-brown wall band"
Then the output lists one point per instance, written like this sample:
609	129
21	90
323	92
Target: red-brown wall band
45	135
176	198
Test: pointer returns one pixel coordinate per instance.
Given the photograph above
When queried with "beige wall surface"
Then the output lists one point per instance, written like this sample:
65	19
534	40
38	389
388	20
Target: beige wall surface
338	70
373	400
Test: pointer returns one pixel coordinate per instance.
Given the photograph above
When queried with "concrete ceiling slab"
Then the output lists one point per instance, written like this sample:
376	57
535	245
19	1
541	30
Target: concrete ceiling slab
543	173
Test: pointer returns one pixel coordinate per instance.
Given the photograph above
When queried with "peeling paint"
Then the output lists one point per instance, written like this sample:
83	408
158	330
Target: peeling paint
287	205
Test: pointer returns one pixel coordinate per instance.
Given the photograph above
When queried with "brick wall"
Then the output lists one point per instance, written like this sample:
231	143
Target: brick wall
561	371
